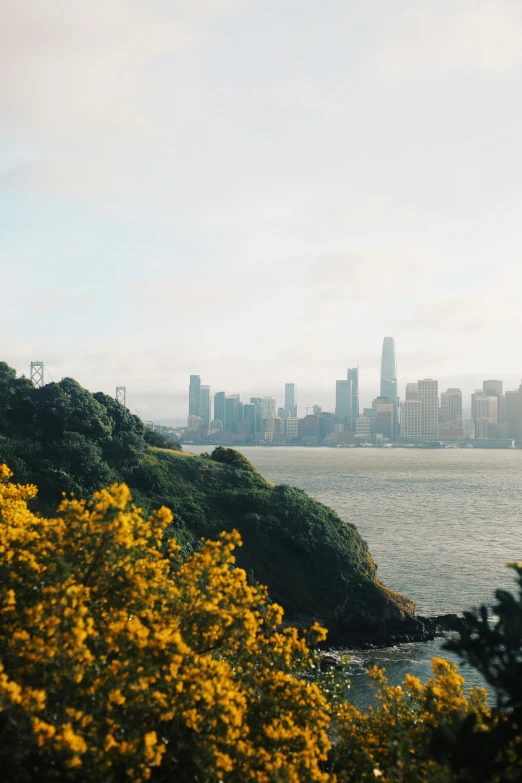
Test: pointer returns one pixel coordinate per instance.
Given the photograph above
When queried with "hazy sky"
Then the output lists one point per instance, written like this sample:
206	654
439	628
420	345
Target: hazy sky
259	191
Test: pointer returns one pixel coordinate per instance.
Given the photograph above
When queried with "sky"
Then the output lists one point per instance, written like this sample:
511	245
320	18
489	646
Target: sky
258	191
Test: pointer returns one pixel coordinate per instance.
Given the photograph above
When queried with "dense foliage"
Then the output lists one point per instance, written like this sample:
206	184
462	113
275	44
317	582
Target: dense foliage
115	667
160	441
65	439
120	660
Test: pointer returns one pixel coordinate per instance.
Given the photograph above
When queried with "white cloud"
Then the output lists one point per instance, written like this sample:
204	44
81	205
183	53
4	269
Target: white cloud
71	67
440	36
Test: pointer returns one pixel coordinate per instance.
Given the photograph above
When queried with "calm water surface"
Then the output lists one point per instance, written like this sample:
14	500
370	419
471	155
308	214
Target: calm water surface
440	524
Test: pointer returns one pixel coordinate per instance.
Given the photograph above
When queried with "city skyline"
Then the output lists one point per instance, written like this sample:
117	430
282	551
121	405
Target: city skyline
426	413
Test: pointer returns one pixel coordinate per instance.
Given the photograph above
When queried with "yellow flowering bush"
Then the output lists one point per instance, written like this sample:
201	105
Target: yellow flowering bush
392	742
118	663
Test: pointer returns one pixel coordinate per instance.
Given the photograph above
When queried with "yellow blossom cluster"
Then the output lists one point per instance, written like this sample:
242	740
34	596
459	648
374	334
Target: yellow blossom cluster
120	663
392	741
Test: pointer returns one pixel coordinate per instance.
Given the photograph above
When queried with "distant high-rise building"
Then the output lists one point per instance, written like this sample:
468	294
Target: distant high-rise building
384	417
195	396
317	410
429	396
231	412
249	415
291	425
514	414
219	406
450	405
371	414
389	378
291	398
256	401
268	408
353	376
412	391
411	419
474	397
486	411
363	429
492	388
194	422
205	407
343	402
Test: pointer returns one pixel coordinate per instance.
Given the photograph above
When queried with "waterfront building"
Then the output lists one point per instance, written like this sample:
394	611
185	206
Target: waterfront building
411	419
412	391
194	422
343	402
389	379
469	429
256	401
216	425
291	427
195	395
353	376
309	430
501	408
514	414
384	417
452	430
231	412
478	393
363	429
371	413
205	407
219	406
278	426
249	415
291	398
450	405
268	408
429	396
268	425
487	408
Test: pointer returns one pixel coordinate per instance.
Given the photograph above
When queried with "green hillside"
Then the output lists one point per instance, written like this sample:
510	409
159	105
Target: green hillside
63	438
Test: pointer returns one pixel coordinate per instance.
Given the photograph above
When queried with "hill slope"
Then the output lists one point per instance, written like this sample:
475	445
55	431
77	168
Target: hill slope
318	567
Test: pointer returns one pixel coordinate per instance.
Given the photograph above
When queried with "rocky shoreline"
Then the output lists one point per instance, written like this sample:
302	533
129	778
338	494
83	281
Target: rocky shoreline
416	629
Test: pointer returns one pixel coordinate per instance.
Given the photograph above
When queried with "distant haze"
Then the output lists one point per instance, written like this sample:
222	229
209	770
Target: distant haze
258	192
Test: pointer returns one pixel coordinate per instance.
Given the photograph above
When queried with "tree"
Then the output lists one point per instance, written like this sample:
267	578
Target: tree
490	641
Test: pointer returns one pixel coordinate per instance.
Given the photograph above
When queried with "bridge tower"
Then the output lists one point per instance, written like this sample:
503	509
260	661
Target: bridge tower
37	374
121	395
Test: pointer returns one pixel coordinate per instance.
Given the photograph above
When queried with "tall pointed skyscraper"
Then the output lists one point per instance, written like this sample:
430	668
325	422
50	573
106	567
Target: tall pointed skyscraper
389	379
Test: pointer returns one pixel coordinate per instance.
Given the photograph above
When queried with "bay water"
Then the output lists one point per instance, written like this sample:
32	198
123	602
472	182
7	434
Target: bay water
441	524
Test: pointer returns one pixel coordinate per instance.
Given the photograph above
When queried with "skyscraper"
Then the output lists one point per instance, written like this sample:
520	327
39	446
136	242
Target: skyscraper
412	391
450	405
514	414
353	376
492	388
384	417
343	401
411	419
429	396
291	398
195	396
389	379
205	403
219	407
268	408
256	401
231	412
